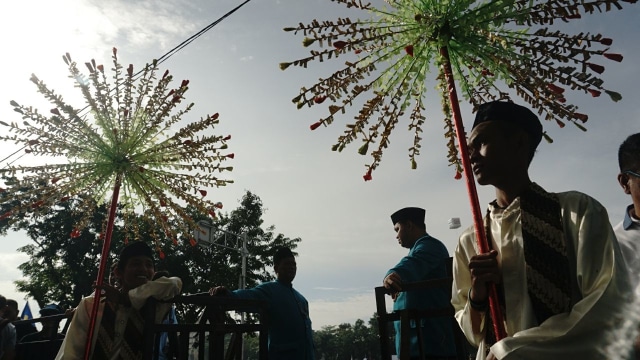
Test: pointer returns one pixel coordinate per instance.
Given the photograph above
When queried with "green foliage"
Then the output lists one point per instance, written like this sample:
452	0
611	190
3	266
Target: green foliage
339	342
131	136
492	48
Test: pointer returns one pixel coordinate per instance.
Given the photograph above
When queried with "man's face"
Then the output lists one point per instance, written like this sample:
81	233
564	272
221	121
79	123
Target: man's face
286	269
491	153
137	271
403	234
11	313
631	185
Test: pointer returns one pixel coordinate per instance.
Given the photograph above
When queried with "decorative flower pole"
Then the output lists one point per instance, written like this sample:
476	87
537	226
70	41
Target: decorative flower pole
493	49
131	140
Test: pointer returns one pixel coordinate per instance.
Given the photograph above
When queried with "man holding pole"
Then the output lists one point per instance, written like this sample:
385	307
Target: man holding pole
553	256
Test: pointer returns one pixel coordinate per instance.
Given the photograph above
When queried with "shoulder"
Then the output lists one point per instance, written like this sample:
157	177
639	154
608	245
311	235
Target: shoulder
577	203
429	242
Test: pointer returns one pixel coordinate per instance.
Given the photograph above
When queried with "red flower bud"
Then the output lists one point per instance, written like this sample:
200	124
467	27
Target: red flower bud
55	111
606	41
164	218
409	50
357	51
166	72
175	242
37	204
75	233
367	176
581	117
319	99
595	67
101	68
33	142
161	254
215	116
228	137
184	83
130	70
28	151
5	215
315	125
614	57
560	123
486	72
339	44
561	100
230	156
594	93
192	242
203	192
556	89
55	180
458	175
187	142
212	213
64	198
163	203
218	205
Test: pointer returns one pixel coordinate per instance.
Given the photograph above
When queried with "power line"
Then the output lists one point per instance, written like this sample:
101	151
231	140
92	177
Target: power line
159	61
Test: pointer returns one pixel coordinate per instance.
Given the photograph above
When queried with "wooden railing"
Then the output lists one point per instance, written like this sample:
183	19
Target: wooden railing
405	316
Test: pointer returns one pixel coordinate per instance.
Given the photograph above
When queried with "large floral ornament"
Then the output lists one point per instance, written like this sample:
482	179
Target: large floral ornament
496	49
130	134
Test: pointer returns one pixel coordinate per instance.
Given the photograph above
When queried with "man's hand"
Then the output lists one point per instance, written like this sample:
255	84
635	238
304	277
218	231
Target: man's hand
484	269
113	295
219	291
393	283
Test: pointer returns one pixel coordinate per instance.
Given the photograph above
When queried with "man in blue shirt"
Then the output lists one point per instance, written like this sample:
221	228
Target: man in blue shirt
427	259
290	335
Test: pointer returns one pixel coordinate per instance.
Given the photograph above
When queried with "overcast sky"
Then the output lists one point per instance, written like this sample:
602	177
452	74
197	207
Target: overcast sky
348	241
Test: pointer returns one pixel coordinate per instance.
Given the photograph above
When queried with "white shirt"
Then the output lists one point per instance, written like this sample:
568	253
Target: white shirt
601	280
74	342
628	234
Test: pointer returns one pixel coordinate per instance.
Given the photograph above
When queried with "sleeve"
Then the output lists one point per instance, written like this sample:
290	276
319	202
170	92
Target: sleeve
163	288
584	332
260	292
10	342
424	258
72	347
460	288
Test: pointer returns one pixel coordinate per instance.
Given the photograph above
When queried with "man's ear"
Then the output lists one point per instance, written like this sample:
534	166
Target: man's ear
623	180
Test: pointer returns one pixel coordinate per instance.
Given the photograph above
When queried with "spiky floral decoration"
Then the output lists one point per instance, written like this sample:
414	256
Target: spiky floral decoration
128	135
490	44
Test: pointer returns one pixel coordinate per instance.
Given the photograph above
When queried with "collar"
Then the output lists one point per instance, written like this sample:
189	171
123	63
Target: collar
628	221
289	285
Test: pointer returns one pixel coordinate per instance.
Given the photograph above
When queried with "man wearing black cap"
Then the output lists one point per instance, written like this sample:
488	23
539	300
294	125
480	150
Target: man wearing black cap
426	260
290	334
554	257
119	324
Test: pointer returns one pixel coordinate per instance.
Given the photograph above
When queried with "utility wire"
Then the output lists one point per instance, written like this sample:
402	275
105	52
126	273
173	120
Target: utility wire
159	61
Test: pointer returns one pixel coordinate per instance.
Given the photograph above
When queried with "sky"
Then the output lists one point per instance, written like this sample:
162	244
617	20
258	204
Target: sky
348	242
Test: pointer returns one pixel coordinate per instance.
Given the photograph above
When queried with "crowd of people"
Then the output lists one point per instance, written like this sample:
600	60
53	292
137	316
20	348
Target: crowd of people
560	272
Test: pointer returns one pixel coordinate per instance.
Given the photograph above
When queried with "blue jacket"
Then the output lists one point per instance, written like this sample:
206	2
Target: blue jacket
426	260
290	335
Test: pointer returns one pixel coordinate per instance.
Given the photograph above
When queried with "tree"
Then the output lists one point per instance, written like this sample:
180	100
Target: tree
62	268
346	341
